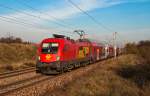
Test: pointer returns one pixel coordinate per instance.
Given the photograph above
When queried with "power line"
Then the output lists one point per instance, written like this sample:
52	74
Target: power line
4	19
4	6
19	20
121	38
11	20
14	20
22	21
24	3
91	17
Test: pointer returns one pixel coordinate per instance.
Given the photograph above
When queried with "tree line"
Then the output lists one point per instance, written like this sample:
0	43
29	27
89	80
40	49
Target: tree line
12	39
141	48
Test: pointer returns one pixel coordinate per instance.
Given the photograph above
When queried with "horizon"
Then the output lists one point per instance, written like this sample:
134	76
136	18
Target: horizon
36	20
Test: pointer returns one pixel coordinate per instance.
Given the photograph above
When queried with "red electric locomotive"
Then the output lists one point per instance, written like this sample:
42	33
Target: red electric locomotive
61	54
55	53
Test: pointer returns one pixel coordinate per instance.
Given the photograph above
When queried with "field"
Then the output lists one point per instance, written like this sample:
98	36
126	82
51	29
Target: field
15	56
124	76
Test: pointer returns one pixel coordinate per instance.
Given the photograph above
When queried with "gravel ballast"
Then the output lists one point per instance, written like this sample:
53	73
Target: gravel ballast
55	82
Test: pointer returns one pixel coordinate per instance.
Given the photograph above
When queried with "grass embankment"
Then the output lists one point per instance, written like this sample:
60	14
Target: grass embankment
14	56
124	76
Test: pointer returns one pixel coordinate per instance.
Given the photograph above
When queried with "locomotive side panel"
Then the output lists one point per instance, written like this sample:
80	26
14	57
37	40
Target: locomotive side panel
69	51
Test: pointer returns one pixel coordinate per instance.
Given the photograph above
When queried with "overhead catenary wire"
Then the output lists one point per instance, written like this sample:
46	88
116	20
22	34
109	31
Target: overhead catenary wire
23	21
11	20
26	13
42	18
6	20
90	16
25	3
20	20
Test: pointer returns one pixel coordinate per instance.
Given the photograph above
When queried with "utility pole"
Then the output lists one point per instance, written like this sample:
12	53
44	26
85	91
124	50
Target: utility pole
114	44
81	33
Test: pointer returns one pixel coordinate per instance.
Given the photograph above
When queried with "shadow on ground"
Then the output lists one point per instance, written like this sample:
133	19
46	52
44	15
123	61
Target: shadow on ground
140	74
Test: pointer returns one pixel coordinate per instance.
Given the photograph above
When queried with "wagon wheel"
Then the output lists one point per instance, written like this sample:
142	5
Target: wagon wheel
62	70
70	67
77	64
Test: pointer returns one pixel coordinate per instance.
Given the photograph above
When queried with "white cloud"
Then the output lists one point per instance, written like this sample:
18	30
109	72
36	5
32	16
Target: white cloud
62	13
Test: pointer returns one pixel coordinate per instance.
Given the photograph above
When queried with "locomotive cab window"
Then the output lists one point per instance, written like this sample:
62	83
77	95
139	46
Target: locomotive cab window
51	48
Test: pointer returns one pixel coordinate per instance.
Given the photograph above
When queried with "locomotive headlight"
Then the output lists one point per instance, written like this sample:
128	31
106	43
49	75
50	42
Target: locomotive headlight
39	58
57	58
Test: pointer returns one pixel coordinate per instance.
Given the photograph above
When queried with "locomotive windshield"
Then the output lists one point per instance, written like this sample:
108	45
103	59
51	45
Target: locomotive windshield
51	48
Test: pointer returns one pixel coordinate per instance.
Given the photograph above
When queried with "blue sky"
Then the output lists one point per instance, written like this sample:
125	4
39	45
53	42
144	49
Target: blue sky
34	20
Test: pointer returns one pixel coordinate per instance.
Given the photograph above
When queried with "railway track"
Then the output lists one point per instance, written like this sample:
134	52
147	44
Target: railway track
18	85
23	84
17	72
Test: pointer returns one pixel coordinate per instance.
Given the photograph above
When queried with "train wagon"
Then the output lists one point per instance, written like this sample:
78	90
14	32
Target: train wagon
60	54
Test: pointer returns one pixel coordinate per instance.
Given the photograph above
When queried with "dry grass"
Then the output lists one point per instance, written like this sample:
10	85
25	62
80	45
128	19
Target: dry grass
109	80
13	56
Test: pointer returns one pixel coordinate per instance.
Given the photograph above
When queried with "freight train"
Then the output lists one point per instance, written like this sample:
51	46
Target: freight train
60	54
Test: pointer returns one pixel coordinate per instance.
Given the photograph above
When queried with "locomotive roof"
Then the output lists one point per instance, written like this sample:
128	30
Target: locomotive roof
91	41
58	40
61	38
